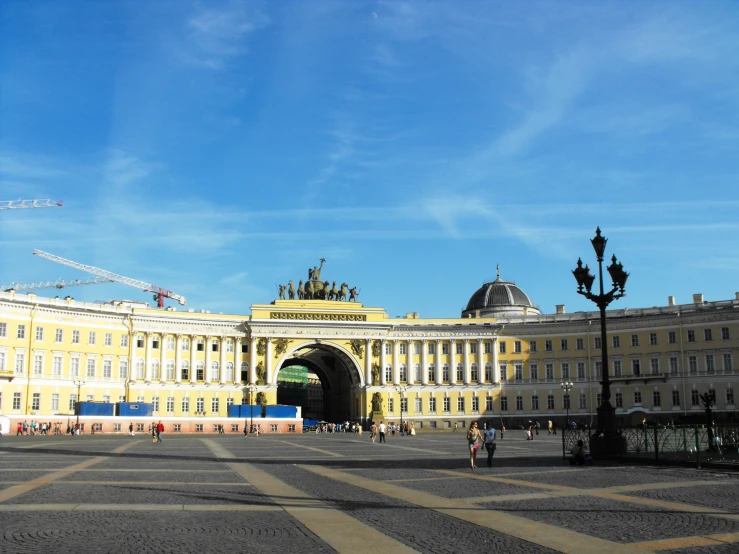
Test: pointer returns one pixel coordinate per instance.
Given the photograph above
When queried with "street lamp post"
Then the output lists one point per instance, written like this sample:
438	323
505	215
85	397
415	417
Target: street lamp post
401	391
78	384
606	412
252	388
567	387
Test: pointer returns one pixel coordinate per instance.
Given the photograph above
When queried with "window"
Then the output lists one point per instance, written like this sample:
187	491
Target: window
654	366
676	398
636	367
710	364
583	401
534	370
403	373
502	347
550	402
694	397
74	367
214	372
417	373
107	369
488	347
244	347
59	335
185	404
418	405
691	336
39	333
728	365
445	373
579	344
2	365
473	348
108	341
724	333
671	337
388	374
75	337
229	345
55	402
229	403
548	346
634	340
214	405
460	373
460	348
140	368
20	363
155	403
432	348
229	372
91	338
200	405
532	346
616	341
198	427
619	400
535	403
185	368
693	364
730	396
563	345
446	404
460	404
445	348
402	349
518	371
672	360
36	401
503	371
200	371
503	403
519	403
565	370
185	344
549	369
124	341
170	370
637	398
38	364
214	345
581	370
123	369
390	405
56	368
656	399
3	330
155	370
617	368
155	343
432	373
517	347
21	331
432	405
474	375
201	345
489	403
652	339
171	345
566	402
91	367
16	401
707	335
475	404
596	343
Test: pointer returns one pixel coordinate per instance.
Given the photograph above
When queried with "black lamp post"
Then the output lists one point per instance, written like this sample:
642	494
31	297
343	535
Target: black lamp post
78	384
567	387
606	412
401	391
252	388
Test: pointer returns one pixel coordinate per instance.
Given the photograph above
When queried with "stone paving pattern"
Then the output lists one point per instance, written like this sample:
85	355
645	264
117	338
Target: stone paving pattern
126	494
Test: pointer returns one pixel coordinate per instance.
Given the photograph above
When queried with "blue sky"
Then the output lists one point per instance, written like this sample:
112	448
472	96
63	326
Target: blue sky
220	148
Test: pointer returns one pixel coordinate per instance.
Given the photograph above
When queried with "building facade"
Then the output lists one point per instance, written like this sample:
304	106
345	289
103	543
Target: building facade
502	360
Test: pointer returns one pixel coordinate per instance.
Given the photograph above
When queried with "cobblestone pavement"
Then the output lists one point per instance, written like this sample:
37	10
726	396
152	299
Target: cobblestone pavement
341	493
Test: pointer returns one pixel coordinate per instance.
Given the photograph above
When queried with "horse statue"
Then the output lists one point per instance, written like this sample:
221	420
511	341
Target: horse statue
314	290
301	290
353	293
282	291
334	295
326	290
343	292
291	290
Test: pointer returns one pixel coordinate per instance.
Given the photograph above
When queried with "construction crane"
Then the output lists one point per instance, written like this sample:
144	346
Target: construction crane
20	204
58	284
159	293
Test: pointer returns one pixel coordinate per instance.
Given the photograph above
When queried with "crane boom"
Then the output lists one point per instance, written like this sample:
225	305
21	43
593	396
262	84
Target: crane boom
19	204
159	292
58	284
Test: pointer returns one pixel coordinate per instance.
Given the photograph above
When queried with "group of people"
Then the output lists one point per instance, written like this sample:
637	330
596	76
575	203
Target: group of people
38	428
156	430
477	439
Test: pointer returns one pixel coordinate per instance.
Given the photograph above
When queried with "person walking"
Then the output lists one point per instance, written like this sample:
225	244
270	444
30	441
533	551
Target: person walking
373	432
153	429
474	438
489	438
550	427
383	428
160	431
536	423
130	430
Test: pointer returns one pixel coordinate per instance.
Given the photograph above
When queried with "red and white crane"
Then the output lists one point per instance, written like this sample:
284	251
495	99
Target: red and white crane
58	284
21	204
159	293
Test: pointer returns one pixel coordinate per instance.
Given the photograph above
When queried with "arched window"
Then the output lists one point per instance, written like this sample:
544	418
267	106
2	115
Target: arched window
155	370
170	370
244	372
185	370
489	372
417	373
403	374
445	373
200	371
140	369
432	374
214	371
474	375
229	372
388	374
460	373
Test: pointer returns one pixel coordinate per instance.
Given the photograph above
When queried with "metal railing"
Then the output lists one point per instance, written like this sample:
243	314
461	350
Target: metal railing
688	443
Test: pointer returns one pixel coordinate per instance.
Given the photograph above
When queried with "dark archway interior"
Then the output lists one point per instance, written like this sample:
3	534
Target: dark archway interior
339	382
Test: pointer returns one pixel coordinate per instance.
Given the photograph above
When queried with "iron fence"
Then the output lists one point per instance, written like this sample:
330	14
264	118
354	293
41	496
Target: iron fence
671	442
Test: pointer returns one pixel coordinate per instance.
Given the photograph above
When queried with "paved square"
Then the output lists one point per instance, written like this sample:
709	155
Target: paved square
341	493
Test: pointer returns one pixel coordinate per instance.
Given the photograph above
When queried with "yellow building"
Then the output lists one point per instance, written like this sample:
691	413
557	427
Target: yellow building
502	360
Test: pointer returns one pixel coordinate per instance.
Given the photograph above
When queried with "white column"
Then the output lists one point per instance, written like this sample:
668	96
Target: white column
252	360
410	378
269	361
368	362
424	368
466	362
147	362
452	363
237	360
480	364
162	359
496	369
207	360
396	362
382	361
439	375
178	359
223	360
193	357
